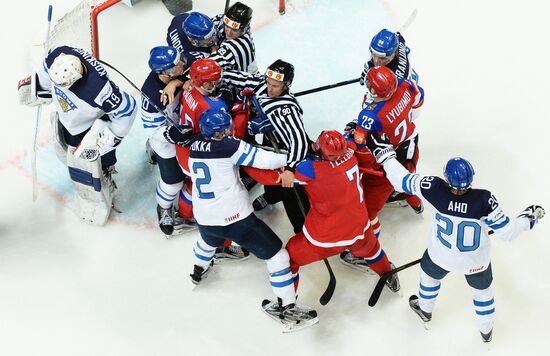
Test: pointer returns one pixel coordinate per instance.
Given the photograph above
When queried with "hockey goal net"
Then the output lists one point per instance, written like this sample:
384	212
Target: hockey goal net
79	27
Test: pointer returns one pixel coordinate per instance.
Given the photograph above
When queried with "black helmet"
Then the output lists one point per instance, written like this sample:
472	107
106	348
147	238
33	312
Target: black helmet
240	14
281	71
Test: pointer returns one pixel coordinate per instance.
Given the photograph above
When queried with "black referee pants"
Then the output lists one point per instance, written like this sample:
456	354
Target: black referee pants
289	197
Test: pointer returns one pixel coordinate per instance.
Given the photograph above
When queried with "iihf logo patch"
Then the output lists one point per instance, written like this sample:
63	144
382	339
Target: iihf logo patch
64	102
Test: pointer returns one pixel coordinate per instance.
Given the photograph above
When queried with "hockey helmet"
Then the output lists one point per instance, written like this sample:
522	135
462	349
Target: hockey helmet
65	70
238	16
281	71
163	58
459	173
214	120
381	82
205	70
199	28
331	145
384	43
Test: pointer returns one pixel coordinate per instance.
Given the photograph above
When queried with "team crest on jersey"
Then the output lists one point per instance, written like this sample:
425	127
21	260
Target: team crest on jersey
372	106
64	102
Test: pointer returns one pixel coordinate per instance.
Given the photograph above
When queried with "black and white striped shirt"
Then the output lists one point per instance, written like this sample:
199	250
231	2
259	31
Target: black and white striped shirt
284	112
237	54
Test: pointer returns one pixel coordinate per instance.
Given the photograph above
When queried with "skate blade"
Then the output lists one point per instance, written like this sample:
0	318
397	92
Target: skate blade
224	260
290	327
396	204
365	270
182	231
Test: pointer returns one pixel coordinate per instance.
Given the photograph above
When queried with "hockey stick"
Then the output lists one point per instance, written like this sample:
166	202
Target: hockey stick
184	131
226	6
325	87
327	295
409	21
38	115
382	281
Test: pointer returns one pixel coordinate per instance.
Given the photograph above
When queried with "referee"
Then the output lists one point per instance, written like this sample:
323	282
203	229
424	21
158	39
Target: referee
285	115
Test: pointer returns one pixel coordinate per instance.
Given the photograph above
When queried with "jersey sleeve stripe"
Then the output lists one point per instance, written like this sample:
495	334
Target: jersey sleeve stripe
496	225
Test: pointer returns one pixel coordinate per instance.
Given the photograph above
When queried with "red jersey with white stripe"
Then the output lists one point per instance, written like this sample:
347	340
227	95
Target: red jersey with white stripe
392	117
193	104
338	216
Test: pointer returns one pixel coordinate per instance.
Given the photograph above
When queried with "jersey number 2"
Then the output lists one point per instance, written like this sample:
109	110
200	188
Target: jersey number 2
201	166
445	228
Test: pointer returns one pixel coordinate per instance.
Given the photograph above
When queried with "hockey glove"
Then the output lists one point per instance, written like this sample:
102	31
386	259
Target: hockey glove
380	146
534	213
178	135
247	93
256	125
227	95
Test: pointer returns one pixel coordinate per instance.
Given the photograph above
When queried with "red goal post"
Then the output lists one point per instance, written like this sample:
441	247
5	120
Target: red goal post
80	27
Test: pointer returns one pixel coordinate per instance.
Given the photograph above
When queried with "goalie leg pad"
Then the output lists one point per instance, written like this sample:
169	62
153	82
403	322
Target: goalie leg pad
60	145
95	189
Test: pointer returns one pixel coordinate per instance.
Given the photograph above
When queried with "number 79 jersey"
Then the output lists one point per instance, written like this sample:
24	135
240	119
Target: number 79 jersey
459	241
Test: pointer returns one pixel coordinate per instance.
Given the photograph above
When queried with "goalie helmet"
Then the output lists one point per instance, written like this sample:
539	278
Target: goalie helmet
281	71
384	43
331	145
199	28
238	17
381	82
459	173
214	120
205	70
162	58
65	70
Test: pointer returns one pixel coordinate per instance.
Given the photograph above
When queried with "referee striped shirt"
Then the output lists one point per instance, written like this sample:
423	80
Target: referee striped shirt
237	54
284	112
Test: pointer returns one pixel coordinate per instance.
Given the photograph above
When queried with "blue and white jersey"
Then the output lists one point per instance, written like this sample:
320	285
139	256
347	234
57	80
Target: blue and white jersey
90	97
462	225
175	37
154	122
219	197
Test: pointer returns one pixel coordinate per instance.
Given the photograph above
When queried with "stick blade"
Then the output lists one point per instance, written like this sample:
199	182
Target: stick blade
377	291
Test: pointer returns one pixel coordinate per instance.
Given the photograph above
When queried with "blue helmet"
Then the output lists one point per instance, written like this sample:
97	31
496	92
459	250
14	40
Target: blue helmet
214	120
384	44
198	26
459	173
163	58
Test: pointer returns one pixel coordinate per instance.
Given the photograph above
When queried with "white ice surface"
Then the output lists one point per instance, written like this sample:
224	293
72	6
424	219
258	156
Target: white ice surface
67	288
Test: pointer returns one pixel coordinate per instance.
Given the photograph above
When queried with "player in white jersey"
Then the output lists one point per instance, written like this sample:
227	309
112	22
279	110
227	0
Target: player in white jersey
93	115
223	211
464	221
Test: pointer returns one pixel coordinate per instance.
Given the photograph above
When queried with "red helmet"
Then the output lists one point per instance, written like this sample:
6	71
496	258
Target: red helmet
205	70
381	82
331	145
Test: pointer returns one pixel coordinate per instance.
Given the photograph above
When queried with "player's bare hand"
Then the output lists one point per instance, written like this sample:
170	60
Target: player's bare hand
168	94
187	86
286	179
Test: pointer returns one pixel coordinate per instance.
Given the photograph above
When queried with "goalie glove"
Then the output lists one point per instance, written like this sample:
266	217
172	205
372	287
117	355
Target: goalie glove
31	94
97	142
380	146
534	213
178	135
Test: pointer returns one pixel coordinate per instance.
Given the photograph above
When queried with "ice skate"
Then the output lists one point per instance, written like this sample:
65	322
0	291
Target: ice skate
292	316
166	220
487	337
424	316
393	282
260	203
199	273
396	200
230	253
418	209
183	226
358	263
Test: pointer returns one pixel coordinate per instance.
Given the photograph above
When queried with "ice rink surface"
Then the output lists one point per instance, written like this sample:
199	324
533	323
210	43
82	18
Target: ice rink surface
67	288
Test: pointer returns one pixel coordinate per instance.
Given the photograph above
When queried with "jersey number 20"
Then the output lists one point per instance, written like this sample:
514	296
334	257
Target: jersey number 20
446	229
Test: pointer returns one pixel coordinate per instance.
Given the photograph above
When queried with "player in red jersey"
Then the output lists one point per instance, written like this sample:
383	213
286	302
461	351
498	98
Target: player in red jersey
391	112
337	219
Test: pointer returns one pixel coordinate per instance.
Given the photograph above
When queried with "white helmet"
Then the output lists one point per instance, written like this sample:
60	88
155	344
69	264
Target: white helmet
65	70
